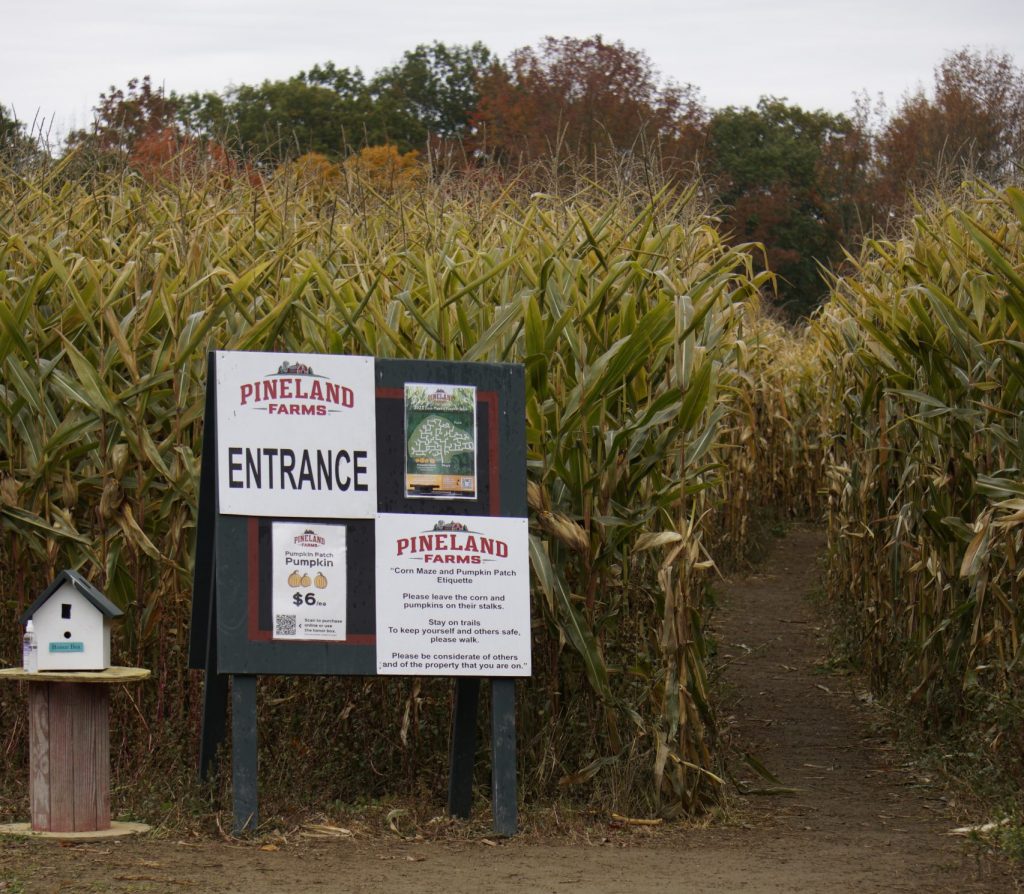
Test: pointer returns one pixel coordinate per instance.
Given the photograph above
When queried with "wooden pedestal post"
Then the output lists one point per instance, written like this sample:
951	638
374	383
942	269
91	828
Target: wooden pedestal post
462	753
69	748
69	757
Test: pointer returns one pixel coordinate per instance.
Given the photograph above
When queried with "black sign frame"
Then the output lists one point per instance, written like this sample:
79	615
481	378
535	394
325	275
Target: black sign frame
230	633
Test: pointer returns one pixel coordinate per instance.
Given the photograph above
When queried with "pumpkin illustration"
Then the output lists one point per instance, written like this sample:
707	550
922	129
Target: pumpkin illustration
320	580
306	580
294	579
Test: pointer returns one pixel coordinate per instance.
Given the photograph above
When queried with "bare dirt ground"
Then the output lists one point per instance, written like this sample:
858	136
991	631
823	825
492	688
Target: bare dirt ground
858	819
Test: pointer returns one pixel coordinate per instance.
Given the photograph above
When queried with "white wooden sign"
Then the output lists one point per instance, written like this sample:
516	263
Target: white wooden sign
296	435
453	595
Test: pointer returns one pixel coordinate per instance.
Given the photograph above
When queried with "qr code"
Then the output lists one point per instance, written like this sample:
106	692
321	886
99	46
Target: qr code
284	625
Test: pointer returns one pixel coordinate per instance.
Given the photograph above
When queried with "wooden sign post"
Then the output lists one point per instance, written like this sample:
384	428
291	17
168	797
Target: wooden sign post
365	517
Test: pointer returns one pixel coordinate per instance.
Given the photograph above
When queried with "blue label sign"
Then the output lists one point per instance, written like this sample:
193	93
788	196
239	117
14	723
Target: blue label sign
67	647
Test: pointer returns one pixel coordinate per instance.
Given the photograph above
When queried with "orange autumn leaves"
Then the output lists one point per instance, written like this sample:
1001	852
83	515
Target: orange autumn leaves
167	155
382	168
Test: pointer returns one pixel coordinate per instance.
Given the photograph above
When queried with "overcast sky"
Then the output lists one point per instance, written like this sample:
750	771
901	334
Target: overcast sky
56	56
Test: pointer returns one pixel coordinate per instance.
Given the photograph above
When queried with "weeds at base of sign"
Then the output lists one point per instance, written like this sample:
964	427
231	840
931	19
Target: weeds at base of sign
160	786
422	820
417	823
413	822
170	798
184	812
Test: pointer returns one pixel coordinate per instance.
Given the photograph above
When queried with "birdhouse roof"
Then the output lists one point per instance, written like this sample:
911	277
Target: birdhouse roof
83	586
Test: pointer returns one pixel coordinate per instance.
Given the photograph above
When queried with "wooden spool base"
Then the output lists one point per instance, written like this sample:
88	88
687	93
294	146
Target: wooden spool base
115	830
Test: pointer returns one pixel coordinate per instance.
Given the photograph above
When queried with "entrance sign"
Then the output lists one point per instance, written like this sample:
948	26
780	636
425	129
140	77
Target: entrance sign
362	516
453	596
440	440
296	435
309	573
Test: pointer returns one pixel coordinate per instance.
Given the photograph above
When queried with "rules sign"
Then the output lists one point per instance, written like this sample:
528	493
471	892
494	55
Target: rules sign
453	596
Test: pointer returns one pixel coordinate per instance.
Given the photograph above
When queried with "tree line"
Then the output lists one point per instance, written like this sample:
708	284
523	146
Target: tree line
807	184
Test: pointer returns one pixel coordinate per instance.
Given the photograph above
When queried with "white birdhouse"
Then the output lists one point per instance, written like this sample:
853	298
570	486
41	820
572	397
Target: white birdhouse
72	619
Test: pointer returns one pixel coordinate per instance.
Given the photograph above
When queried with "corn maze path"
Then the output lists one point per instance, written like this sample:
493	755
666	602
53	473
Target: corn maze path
861	819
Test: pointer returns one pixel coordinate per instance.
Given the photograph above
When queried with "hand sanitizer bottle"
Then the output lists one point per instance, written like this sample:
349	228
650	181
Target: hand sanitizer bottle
29	650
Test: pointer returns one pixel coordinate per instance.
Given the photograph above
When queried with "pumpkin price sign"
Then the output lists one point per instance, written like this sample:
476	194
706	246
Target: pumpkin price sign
309	591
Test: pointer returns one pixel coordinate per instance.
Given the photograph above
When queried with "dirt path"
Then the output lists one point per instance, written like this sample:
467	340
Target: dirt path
857	823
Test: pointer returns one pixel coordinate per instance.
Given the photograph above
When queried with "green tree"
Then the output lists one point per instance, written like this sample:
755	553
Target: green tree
430	94
790	179
17	146
322	110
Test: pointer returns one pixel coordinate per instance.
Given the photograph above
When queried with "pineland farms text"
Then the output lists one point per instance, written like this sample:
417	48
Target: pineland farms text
276	392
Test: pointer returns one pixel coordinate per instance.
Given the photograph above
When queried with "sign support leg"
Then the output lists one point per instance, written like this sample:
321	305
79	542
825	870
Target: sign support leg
504	794
462	751
215	705
243	752
214	729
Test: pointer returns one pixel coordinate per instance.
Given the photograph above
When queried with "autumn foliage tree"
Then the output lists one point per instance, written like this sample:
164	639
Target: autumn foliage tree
124	117
140	126
973	121
582	97
385	168
168	154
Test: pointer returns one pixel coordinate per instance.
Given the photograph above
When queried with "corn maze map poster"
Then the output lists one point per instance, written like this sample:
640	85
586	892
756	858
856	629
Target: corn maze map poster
309	591
440	441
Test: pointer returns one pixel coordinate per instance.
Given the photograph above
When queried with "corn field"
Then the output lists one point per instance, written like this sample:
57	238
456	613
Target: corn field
664	412
921	363
637	326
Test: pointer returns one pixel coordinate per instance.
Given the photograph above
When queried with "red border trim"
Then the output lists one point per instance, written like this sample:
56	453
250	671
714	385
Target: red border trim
253	593
490	398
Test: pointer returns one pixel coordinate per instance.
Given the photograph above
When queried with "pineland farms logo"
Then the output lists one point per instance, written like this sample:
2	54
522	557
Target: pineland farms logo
451	543
309	538
295	390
